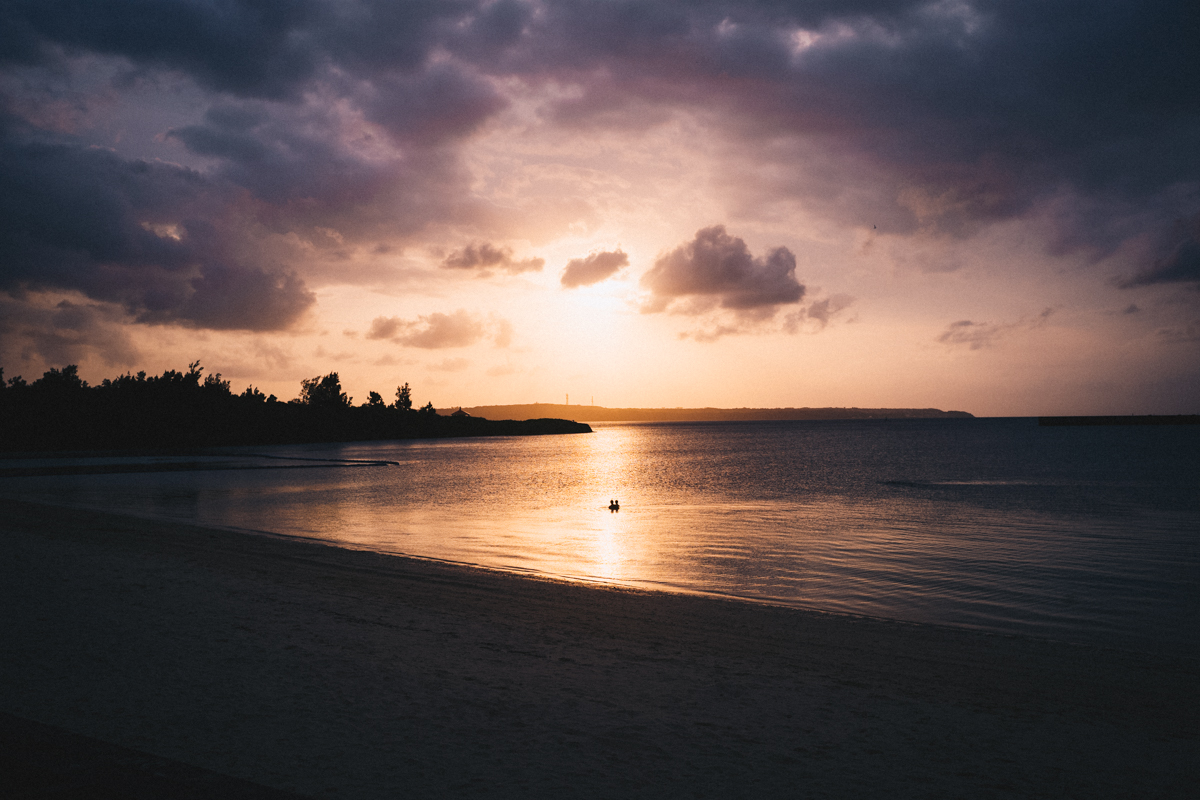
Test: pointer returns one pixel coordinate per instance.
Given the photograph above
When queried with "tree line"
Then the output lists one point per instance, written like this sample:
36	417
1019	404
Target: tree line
60	411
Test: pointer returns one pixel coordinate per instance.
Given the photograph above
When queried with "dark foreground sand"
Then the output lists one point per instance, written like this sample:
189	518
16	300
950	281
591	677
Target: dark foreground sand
136	651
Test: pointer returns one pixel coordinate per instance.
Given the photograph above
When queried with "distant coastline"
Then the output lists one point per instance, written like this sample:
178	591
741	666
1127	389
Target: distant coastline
601	414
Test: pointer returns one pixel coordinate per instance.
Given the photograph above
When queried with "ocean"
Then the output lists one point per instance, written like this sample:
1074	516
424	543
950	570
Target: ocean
1080	534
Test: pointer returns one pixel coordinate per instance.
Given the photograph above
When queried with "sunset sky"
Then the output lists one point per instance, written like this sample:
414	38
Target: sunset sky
983	206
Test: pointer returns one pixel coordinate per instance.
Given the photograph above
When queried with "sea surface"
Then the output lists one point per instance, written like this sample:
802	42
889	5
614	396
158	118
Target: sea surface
1072	533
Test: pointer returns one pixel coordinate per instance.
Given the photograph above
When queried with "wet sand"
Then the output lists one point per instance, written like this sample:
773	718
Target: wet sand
334	673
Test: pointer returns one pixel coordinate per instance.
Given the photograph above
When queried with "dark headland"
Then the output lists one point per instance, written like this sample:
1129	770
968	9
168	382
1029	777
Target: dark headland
602	414
184	410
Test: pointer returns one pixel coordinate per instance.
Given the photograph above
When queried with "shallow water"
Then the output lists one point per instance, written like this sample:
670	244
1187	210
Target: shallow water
1083	534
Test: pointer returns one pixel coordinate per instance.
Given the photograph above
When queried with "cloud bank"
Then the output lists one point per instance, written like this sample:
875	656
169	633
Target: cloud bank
293	139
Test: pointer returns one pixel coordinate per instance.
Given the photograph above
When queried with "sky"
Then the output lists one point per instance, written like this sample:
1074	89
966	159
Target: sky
983	206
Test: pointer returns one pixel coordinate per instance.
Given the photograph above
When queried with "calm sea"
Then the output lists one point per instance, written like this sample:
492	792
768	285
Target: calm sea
1081	534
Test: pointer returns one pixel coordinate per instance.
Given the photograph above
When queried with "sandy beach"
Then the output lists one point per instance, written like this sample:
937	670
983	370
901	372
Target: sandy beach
267	666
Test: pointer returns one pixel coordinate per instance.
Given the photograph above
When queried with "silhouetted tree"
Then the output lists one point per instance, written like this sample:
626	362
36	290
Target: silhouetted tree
374	400
403	398
429	409
60	382
214	385
324	392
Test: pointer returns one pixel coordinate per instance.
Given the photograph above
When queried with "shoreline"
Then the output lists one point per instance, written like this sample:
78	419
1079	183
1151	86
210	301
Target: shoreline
326	671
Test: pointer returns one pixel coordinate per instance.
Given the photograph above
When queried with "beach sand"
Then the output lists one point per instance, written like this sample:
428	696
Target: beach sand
134	647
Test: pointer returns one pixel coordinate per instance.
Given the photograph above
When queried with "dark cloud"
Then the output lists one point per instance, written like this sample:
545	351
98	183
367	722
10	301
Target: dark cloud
485	256
493	30
281	146
436	331
34	338
271	49
443	103
593	268
306	179
289	158
1180	265
241	298
935	117
718	266
256	47
983	106
129	232
918	116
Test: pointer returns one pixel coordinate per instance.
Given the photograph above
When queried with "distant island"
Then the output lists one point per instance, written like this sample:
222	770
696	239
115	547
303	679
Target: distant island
601	414
184	410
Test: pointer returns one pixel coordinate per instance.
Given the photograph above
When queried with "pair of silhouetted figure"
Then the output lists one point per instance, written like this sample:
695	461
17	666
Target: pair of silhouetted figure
614	505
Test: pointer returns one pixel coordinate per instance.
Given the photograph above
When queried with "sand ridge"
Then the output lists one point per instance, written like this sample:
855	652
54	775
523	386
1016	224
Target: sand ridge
338	673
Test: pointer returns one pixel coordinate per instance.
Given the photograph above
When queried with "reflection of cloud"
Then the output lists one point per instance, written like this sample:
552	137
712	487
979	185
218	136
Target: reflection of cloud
485	256
436	331
593	268
719	266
